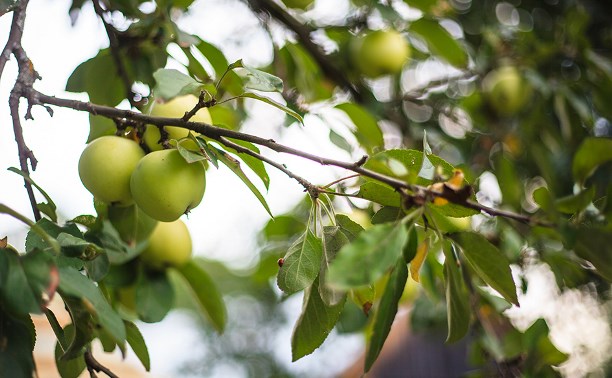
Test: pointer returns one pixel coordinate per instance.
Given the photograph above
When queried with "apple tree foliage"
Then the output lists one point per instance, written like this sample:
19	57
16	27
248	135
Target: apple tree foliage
551	157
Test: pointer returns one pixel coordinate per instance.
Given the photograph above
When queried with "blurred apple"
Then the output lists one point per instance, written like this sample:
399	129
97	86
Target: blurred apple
380	52
506	90
169	246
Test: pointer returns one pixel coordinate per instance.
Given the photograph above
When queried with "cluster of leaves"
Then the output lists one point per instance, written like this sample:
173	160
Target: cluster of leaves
564	129
102	283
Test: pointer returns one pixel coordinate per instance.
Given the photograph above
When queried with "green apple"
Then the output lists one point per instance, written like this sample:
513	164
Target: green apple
298	4
175	108
169	246
165	186
506	90
132	224
380	52
105	168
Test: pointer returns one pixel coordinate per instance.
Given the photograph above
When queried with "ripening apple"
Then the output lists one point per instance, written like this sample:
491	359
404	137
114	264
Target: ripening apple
105	168
380	52
175	108
506	90
165	186
132	224
298	4
169	246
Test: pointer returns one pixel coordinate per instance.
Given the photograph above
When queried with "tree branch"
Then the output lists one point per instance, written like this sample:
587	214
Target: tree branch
94	366
303	34
218	133
111	32
309	187
15	34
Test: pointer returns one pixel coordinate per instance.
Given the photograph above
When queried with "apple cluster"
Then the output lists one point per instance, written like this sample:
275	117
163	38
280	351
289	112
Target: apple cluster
147	193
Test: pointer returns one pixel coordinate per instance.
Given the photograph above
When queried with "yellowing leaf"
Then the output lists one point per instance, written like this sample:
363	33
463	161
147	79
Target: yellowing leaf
417	262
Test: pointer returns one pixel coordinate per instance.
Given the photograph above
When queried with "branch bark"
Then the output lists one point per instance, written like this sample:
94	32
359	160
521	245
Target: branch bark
111	32
220	134
303	34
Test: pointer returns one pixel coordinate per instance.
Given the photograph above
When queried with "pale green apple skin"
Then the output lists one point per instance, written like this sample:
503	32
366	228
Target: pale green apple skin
381	52
105	168
175	108
169	246
298	4
132	224
165	186
506	90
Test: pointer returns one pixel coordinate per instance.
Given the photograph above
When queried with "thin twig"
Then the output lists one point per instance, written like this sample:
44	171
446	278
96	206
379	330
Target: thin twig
94	366
111	32
339	180
23	151
302	181
303	33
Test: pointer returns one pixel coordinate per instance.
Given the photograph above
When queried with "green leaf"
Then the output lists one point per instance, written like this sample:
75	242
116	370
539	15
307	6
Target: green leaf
302	263
15	291
75	284
41	272
47	208
87	76
206	293
190	156
541	352
386	311
71	368
154	296
221	66
367	131
269	101
422	5
137	343
315	323
171	83
593	244
440	42
349	228
387	214
368	257
258	80
457	299
333	240
491	265
255	164
100	126
591	153
340	141
379	193
576	202
234	166
405	165
16	359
